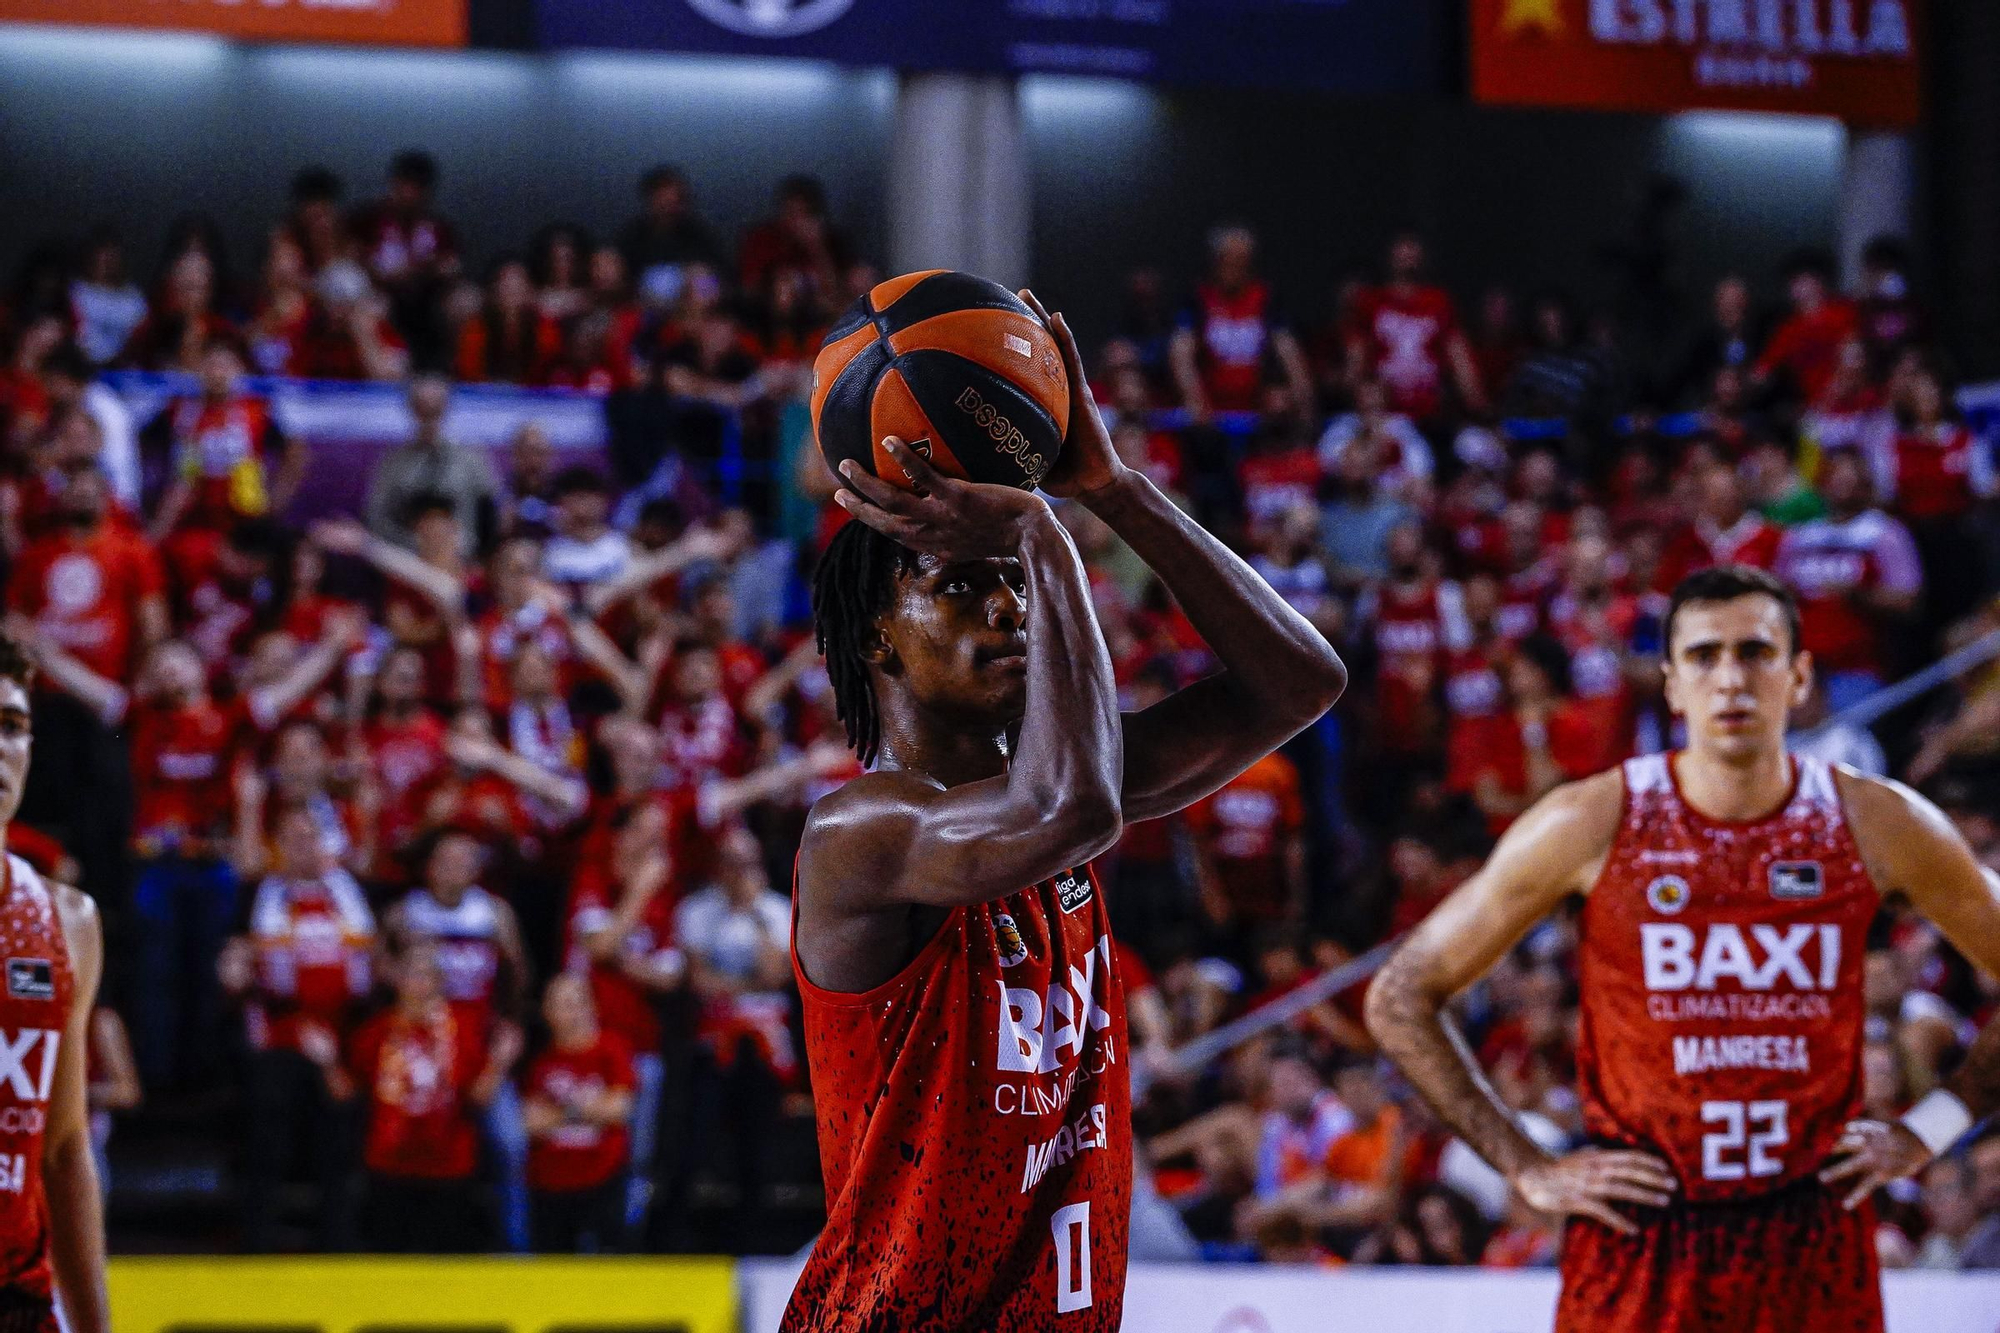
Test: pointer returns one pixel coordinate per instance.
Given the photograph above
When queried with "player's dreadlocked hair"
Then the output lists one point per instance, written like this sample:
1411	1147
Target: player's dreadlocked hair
850	588
15	664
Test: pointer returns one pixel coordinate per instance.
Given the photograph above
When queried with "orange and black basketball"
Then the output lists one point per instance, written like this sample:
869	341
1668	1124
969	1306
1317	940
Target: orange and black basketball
956	367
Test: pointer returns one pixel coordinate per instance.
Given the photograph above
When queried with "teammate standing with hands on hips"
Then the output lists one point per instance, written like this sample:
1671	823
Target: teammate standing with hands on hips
964	1019
1728	890
51	1215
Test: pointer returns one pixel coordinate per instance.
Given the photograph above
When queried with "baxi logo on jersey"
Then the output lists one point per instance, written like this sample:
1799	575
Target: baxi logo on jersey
1796	880
1667	895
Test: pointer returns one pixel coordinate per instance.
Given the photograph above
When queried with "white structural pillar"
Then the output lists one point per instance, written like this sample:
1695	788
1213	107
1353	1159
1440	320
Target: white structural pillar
958	177
1876	189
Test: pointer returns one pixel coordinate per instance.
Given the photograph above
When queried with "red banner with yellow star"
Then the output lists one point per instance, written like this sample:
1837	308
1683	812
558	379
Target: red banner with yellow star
1855	59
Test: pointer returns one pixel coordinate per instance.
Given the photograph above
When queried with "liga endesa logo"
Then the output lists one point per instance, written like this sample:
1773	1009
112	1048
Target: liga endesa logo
771	18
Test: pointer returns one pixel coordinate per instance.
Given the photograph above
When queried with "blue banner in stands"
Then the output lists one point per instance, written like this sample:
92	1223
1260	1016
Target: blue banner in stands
1344	45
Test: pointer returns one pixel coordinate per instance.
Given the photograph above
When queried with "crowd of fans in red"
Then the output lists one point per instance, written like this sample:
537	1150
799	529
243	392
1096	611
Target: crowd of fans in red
450	839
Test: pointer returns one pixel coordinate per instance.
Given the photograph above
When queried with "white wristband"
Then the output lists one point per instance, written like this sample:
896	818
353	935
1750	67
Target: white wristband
1940	1120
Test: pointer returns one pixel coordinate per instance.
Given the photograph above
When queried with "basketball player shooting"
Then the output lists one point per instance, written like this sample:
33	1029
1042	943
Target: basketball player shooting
1727	893
964	1020
51	1220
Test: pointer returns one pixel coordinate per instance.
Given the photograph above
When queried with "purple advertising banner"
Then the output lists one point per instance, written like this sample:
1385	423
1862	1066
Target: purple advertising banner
1343	45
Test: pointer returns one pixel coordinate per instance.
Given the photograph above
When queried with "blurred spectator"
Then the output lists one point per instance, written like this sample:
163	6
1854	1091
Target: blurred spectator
1951	1214
419	1069
184	320
68	382
106	304
1804	350
410	250
1982	1246
577	1106
1231	332
585	549
230	461
429	464
1250	847
315	220
1890	315
800	241
666	235
557	259
1857	575
736	935
1406	334
511	340
301	965
1725	340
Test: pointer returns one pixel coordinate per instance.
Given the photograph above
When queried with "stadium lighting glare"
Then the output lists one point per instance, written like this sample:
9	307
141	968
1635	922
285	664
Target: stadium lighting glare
1758	131
46	49
438	72
1064	97
720	78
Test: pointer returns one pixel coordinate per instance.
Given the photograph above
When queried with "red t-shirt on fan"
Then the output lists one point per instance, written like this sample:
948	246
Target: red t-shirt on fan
578	1155
417	1074
975	1129
1403	335
83	593
1233	332
181	756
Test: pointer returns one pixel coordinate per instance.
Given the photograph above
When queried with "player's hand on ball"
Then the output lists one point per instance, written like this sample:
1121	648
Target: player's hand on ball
1589	1181
1088	462
951	519
1871	1153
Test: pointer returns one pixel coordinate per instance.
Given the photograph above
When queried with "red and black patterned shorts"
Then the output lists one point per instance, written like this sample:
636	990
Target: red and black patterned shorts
1793	1261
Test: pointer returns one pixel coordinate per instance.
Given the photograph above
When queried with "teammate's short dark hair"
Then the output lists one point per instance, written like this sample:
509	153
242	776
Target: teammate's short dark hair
852	586
1725	583
15	664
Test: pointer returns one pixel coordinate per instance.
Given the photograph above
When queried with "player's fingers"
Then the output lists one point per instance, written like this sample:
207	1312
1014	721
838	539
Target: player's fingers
1873	1181
1072	359
1033	302
1638	1166
927	479
878	518
1649	1179
1605	1213
876	491
1851	1163
1633	1193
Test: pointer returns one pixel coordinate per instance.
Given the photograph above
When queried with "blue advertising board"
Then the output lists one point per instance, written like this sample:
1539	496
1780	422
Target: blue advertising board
1344	45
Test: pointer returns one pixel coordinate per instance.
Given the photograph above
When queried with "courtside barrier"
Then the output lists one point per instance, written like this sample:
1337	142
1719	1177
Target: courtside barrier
1230	1298
358	1294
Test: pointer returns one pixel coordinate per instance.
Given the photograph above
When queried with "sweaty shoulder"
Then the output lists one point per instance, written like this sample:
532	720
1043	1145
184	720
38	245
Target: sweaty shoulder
855	833
83	931
1896	830
1567	834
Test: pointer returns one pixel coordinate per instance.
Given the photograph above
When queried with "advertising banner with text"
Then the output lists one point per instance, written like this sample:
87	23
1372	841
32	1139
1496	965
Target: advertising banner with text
1859	60
1344	45
359	22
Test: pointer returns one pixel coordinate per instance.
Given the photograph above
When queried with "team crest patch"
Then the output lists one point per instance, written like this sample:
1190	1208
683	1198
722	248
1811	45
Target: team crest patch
1072	890
1794	880
1668	894
31	979
1013	949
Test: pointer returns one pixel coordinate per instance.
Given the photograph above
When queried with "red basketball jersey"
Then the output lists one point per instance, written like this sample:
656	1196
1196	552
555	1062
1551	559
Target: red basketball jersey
1720	971
33	1011
975	1129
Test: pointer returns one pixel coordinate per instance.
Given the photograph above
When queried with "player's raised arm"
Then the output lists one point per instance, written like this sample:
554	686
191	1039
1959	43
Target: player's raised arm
1278	672
1549	853
905	836
1912	848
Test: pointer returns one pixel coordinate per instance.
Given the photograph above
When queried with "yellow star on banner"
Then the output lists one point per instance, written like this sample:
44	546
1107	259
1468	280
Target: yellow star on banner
1543	15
